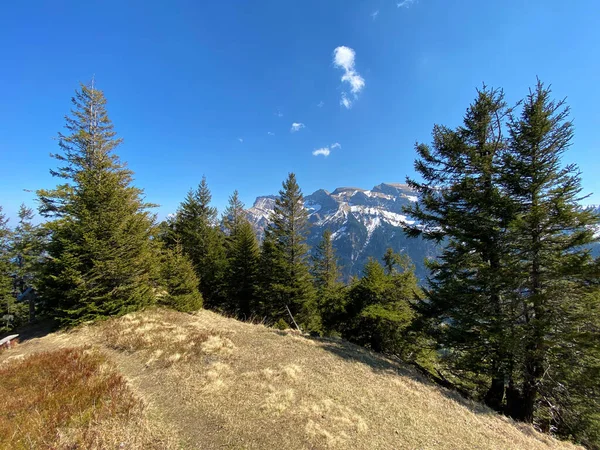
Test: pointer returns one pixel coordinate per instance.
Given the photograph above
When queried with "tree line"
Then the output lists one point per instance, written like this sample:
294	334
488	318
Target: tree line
509	313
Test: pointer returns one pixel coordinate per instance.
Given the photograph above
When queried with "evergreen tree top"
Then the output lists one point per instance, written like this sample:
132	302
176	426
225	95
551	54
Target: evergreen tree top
91	139
234	214
87	159
289	217
196	205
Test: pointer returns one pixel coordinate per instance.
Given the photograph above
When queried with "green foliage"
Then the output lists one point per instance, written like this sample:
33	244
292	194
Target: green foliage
179	281
548	237
332	308
461	204
330	292
100	259
195	229
378	308
281	325
9	310
243	271
512	299
234	215
26	254
325	269
287	281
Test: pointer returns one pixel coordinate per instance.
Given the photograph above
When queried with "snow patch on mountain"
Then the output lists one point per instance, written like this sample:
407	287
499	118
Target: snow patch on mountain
312	207
355	217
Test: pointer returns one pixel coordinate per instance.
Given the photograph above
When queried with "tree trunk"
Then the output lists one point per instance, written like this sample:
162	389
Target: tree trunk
31	308
495	394
514	402
531	377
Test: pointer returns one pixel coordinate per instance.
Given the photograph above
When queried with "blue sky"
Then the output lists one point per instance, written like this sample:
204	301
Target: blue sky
213	88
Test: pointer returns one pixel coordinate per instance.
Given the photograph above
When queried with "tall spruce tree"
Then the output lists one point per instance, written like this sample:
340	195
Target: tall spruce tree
267	280
549	258
325	269
100	259
243	271
195	228
234	215
331	293
291	284
461	206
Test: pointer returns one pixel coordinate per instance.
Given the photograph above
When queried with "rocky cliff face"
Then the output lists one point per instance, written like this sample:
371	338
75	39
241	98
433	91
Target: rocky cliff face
364	223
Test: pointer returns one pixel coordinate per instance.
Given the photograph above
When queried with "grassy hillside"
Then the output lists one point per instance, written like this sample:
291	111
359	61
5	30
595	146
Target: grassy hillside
161	379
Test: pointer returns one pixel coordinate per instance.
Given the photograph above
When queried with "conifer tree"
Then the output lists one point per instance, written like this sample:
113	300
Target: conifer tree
325	269
547	241
569	401
291	283
100	259
180	281
234	215
379	307
269	292
243	271
391	261
331	293
7	299
195	228
26	251
461	205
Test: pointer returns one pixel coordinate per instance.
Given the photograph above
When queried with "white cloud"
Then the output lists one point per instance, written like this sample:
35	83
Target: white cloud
270	133
279	114
322	151
375	14
343	58
326	151
405	3
321	104
297	127
345	101
240	139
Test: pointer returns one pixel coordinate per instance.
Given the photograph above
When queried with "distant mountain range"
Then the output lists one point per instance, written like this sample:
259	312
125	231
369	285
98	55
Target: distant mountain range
363	223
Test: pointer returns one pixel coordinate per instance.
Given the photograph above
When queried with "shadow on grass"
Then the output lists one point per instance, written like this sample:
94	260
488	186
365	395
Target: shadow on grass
35	330
382	364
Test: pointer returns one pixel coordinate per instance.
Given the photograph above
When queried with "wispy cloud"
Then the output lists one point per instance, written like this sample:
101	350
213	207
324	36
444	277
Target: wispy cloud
322	151
321	104
240	139
279	113
345	101
270	133
343	58
296	126
326	151
374	14
405	3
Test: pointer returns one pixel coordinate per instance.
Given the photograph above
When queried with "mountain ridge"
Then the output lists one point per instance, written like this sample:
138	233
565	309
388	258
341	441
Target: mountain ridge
363	223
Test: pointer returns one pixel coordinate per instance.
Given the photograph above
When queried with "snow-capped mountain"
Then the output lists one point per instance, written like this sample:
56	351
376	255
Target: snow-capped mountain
364	223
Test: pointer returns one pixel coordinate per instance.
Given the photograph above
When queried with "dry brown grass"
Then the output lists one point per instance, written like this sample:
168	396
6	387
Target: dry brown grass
236	385
164	338
70	398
